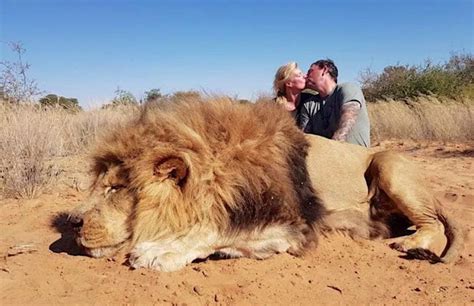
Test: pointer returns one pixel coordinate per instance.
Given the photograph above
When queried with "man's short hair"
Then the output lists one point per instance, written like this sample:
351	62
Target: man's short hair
331	67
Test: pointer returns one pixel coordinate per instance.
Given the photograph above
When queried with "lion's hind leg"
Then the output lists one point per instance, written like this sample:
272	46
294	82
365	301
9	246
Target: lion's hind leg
355	223
401	181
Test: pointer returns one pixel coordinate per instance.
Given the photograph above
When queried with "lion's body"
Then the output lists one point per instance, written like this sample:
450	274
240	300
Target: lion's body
373	191
337	171
186	180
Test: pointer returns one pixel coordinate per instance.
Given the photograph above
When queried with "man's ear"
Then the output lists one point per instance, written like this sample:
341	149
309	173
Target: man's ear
173	168
324	71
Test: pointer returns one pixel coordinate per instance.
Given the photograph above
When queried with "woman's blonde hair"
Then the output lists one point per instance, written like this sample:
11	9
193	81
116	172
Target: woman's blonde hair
283	74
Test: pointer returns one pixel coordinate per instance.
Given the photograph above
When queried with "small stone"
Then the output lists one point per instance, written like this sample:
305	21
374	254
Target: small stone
198	290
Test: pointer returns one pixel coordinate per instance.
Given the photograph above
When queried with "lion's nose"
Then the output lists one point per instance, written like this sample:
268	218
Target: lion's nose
76	222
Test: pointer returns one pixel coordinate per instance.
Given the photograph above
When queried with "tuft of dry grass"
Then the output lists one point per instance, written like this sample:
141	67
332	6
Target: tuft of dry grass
32	139
422	118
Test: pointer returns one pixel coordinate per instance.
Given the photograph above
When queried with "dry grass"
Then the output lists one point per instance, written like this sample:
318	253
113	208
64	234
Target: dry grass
32	139
423	118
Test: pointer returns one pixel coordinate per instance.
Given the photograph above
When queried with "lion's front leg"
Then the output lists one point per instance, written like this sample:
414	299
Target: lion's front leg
155	255
172	253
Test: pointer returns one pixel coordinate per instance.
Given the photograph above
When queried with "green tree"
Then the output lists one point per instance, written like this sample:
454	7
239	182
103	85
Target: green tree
153	95
452	79
55	100
123	97
188	95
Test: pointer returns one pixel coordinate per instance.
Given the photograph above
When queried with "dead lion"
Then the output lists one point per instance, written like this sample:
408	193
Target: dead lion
189	179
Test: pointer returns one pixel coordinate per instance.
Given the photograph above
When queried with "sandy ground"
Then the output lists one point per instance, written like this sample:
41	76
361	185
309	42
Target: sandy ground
39	265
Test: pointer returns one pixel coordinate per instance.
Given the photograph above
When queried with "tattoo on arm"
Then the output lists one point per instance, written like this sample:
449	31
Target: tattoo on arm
349	112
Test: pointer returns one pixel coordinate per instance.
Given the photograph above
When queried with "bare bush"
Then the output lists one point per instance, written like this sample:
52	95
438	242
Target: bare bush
27	142
15	84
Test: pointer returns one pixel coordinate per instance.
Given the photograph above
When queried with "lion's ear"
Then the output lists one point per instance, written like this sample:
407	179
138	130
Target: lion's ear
173	168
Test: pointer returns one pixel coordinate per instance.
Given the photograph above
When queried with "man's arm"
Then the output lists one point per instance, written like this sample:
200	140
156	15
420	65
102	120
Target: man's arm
349	112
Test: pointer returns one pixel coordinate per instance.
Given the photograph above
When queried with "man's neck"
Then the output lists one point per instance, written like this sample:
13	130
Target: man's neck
327	89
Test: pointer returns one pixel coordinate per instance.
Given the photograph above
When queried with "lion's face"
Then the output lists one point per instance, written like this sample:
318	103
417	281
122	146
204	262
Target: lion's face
104	226
124	193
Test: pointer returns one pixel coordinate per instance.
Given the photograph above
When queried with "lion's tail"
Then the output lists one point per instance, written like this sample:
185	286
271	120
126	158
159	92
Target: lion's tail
354	223
454	235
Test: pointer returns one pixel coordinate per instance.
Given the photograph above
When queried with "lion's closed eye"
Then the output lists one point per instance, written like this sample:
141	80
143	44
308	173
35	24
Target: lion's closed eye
113	188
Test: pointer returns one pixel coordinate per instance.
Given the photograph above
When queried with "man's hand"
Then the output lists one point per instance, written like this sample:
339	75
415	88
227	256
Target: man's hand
349	112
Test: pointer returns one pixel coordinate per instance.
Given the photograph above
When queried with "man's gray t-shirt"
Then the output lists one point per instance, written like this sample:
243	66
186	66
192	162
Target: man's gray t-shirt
321	116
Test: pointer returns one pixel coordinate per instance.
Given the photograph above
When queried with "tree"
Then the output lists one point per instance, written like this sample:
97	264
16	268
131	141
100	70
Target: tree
452	79
153	95
123	97
14	81
243	101
55	100
188	95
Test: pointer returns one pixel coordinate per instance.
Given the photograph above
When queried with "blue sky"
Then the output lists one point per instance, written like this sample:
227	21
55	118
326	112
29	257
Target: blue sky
87	48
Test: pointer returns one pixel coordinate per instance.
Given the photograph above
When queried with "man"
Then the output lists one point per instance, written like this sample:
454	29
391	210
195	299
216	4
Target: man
338	111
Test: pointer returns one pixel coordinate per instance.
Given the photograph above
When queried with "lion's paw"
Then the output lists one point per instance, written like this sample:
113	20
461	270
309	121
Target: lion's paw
403	245
151	255
422	245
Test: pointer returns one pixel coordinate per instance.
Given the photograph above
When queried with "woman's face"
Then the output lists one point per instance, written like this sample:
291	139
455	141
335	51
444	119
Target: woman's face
297	80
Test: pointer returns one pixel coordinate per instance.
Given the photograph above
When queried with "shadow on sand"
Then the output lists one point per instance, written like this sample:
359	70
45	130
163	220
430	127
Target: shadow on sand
65	244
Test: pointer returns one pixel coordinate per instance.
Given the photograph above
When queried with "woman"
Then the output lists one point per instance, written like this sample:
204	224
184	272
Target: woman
288	84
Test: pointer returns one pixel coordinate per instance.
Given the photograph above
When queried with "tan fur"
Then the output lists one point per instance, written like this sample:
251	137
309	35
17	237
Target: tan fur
362	189
185	180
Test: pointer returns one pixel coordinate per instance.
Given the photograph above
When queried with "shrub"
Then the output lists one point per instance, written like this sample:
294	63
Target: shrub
453	79
122	97
29	137
152	95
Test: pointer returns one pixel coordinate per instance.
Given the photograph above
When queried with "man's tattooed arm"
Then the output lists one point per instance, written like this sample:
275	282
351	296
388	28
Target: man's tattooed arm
349	112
